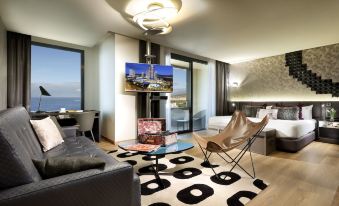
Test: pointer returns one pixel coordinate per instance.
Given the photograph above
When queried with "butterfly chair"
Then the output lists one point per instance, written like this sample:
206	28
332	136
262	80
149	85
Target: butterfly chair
238	131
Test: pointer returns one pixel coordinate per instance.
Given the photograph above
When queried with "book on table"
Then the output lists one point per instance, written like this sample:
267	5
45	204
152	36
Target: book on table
142	147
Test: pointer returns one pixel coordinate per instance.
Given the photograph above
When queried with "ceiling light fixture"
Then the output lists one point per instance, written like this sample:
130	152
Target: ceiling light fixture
155	19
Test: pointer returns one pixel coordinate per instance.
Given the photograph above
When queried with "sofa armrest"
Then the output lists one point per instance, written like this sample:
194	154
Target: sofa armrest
70	131
110	186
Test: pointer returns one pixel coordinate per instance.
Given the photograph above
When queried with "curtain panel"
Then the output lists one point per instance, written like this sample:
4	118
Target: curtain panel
18	70
222	74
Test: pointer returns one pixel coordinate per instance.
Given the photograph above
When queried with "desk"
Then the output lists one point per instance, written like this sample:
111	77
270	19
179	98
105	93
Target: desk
64	119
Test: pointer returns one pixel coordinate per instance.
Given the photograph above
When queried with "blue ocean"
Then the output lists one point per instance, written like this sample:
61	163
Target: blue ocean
55	103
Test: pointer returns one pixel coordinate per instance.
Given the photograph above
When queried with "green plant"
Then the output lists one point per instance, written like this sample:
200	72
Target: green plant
332	113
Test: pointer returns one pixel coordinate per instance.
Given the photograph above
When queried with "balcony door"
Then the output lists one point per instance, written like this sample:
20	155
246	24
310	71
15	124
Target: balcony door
182	116
181	98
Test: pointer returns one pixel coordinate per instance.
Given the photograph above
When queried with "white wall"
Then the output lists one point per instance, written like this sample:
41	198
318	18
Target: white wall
3	67
126	50
106	63
200	88
118	108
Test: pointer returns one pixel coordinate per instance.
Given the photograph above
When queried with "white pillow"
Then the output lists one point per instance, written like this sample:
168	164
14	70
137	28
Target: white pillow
272	113
306	112
269	107
47	132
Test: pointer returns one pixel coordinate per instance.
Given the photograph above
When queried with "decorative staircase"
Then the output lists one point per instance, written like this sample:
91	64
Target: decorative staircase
299	71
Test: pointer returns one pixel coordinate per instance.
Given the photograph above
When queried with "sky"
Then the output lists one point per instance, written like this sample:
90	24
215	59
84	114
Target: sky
58	71
179	81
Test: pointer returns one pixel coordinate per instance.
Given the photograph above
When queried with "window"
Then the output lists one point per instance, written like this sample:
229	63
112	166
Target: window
189	100
59	70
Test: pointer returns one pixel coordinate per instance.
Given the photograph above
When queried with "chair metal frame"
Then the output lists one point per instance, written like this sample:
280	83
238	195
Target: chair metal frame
236	159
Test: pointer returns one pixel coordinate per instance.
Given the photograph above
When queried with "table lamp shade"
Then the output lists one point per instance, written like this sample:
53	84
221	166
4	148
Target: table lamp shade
43	91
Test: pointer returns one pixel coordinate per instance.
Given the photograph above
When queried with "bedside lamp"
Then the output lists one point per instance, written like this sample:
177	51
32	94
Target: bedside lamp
43	92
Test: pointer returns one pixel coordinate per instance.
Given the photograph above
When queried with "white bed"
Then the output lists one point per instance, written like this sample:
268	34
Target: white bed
284	128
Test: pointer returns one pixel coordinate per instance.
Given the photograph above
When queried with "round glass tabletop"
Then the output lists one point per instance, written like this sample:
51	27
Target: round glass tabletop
163	150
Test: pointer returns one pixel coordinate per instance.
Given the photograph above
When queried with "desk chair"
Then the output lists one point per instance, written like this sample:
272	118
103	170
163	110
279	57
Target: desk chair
85	121
184	120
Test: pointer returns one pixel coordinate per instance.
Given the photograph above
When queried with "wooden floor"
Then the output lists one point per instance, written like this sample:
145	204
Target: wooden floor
308	177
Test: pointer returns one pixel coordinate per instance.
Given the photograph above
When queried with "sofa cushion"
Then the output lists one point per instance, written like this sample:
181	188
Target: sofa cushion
57	166
79	146
18	145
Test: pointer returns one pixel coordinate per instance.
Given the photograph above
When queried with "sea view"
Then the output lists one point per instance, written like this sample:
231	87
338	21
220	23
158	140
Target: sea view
55	103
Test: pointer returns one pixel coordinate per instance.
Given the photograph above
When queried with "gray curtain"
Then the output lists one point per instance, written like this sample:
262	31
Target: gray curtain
222	73
18	70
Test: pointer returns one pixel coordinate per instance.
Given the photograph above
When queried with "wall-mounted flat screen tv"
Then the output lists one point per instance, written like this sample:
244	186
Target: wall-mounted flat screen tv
148	78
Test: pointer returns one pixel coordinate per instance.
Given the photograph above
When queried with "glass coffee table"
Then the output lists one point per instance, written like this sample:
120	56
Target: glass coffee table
170	149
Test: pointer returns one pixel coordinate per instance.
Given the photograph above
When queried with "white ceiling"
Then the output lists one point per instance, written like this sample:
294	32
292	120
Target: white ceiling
226	30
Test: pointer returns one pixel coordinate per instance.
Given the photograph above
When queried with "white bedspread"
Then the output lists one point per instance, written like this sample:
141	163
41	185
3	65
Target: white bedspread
284	128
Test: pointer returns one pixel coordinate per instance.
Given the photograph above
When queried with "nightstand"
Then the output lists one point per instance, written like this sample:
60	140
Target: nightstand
265	142
329	132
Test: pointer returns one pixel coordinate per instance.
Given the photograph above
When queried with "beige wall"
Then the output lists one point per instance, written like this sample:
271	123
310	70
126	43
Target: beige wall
3	67
267	79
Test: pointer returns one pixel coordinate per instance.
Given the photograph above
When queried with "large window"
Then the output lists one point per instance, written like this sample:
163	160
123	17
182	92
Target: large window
58	70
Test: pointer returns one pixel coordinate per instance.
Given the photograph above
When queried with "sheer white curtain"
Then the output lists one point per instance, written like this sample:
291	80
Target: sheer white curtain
211	90
165	108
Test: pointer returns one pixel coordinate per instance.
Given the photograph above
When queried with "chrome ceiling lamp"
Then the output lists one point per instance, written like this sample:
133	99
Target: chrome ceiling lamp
153	17
154	20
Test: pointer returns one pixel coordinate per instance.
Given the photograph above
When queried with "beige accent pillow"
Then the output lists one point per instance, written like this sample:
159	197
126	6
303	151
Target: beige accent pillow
47	132
272	113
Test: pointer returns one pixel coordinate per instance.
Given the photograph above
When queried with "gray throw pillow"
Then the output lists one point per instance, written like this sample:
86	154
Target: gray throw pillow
57	166
251	111
288	113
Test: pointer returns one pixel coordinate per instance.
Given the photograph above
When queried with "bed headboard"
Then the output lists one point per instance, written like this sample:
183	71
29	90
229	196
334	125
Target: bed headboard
318	109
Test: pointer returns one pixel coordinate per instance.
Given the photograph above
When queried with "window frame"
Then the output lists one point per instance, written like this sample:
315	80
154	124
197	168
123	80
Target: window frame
82	65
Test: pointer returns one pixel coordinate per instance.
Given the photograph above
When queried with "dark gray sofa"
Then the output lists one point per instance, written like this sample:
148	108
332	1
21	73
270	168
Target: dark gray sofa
21	184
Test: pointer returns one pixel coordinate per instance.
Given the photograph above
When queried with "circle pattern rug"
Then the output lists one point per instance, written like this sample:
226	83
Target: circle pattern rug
186	181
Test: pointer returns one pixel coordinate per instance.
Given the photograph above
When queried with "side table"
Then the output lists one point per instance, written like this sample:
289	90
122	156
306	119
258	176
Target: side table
265	142
329	132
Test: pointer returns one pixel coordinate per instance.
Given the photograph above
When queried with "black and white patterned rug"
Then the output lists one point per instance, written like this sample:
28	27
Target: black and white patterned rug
190	182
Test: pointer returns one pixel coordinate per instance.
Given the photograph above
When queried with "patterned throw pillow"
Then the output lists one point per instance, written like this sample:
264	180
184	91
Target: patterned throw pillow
251	111
288	113
272	113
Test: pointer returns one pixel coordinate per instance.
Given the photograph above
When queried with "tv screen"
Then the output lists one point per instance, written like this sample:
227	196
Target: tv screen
148	78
